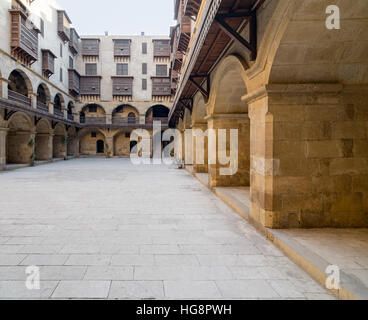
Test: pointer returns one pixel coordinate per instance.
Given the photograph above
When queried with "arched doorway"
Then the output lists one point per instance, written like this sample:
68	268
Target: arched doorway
132	145
100	147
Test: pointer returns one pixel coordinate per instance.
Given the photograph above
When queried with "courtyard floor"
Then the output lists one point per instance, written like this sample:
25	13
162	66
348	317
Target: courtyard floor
99	229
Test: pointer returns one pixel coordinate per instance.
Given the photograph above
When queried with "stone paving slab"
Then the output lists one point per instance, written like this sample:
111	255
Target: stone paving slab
105	229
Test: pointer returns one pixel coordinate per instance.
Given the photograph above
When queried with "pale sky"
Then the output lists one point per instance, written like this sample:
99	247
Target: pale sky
120	17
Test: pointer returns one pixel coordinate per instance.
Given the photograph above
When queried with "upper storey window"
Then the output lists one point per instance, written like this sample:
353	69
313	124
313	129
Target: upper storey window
122	48
161	48
91	47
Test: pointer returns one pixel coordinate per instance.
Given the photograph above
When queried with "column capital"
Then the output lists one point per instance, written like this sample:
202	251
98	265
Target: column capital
292	89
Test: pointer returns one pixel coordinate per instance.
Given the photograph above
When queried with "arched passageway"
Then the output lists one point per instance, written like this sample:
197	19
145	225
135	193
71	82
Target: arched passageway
43	97
125	114
88	141
44	141
228	112
73	142
93	114
157	113
122	145
60	142
20	140
20	88
59	105
70	110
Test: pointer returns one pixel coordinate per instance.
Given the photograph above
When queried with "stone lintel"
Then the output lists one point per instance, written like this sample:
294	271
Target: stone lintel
228	116
296	89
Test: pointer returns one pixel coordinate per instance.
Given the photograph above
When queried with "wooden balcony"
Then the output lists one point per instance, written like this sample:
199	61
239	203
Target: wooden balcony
74	42
63	26
48	63
191	7
23	41
91	47
161	48
184	34
20	98
58	113
122	47
90	85
74	82
42	106
161	86
122	86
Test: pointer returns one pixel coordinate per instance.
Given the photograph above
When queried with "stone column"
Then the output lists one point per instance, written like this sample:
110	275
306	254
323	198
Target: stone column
109	149
308	156
3	135
142	119
4	88
241	175
108	118
33	97
202	146
44	146
51	107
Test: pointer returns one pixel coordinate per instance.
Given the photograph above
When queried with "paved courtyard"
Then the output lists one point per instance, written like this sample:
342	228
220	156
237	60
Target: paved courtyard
100	228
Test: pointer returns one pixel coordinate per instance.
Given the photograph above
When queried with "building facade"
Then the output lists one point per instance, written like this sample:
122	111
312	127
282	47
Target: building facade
295	89
65	95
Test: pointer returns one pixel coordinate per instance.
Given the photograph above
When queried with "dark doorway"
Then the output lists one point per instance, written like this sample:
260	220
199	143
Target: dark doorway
100	146
132	145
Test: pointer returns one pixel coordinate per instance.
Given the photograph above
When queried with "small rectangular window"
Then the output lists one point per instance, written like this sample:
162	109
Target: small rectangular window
93	134
61	50
144	84
144	68
144	47
161	70
122	69
42	27
61	75
71	63
91	69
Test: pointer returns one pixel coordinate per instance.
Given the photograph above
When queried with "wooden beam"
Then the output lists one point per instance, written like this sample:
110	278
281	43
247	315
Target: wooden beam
251	46
206	93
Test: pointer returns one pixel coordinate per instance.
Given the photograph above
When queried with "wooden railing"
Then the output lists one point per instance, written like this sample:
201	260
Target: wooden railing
125	121
93	120
151	120
42	106
15	96
58	112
